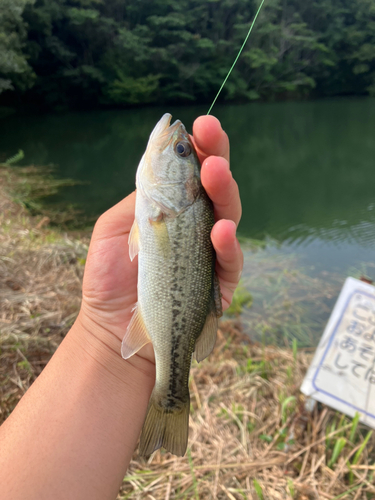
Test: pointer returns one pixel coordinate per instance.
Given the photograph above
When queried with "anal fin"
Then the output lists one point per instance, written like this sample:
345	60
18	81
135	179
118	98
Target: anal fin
206	340
136	335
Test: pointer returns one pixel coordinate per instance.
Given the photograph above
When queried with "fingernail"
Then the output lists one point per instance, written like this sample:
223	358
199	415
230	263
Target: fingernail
234	228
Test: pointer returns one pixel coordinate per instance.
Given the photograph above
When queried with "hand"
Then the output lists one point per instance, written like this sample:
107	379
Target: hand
110	281
87	429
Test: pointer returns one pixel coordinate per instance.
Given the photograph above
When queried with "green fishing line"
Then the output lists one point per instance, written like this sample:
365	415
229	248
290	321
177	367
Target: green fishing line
238	55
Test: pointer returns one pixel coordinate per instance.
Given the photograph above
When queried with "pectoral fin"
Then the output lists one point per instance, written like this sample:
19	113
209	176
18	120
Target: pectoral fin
133	240
136	335
162	237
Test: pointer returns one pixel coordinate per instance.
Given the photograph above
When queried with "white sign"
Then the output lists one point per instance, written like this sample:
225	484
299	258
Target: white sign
342	373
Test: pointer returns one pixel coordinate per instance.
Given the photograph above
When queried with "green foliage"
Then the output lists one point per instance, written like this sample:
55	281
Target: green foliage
287	406
14	68
291	488
195	482
358	455
118	52
343	434
15	158
295	350
258	489
126	89
24	365
241	298
339	446
353	430
81	16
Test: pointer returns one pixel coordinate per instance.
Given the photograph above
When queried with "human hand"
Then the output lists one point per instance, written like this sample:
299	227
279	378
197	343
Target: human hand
110	280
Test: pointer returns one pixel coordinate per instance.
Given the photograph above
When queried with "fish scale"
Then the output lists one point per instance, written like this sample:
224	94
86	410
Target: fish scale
175	304
178	295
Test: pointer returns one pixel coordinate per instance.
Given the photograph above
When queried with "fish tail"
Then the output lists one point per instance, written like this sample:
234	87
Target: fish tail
165	427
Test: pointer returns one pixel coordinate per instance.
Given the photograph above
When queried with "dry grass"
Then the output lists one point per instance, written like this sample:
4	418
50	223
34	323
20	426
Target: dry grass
40	292
251	436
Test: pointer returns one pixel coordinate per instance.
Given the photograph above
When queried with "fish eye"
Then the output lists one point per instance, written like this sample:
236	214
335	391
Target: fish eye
183	149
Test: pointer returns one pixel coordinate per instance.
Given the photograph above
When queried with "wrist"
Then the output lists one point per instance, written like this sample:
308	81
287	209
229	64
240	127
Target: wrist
104	349
76	428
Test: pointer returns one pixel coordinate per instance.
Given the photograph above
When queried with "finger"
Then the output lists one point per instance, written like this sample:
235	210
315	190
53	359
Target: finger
108	263
221	188
209	138
229	257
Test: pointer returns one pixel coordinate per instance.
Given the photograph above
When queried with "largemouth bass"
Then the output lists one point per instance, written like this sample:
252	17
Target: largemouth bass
179	298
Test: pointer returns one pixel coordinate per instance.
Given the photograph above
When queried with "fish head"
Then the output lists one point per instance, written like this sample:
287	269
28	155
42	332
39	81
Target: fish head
169	172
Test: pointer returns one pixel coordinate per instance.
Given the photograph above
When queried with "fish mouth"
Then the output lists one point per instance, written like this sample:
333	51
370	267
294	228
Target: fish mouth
164	131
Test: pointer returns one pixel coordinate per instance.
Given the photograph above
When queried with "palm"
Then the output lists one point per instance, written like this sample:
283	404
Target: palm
110	281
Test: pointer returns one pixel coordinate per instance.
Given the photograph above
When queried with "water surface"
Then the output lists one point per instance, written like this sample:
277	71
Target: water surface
305	171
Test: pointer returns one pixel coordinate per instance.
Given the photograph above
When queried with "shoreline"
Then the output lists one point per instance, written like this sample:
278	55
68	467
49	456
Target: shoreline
250	433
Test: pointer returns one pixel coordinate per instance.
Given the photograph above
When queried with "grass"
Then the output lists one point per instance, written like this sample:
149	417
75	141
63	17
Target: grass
251	435
242	298
41	270
31	186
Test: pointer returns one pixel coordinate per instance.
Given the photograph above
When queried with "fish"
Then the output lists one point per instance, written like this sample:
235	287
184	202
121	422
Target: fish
179	299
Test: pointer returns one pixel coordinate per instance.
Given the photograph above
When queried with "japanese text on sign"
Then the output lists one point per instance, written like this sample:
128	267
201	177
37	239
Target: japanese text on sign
342	373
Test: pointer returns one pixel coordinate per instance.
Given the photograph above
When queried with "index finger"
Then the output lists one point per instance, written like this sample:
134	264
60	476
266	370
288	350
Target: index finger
209	138
212	146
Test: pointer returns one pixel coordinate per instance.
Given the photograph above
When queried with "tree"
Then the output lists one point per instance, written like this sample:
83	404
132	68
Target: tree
121	52
14	68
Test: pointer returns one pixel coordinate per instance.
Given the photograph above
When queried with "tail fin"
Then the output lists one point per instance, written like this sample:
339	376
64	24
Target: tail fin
167	428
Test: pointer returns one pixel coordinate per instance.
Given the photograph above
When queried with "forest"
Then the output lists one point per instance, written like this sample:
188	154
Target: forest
69	54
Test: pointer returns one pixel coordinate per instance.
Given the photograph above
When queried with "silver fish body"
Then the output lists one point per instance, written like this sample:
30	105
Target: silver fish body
179	298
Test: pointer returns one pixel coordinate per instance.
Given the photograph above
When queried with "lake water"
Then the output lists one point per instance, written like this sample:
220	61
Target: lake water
306	173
